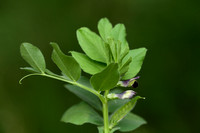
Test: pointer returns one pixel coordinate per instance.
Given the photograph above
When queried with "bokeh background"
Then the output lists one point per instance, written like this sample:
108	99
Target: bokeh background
170	29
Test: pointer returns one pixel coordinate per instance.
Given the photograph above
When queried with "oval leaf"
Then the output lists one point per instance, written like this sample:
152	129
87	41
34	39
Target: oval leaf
66	64
92	45
107	79
105	28
138	56
82	113
131	122
33	56
119	34
123	111
88	65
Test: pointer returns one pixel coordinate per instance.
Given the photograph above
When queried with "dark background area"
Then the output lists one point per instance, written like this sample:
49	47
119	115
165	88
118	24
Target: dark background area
169	29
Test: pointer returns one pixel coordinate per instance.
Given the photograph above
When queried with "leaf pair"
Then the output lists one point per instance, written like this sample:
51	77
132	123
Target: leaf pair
35	58
98	49
118	33
131	64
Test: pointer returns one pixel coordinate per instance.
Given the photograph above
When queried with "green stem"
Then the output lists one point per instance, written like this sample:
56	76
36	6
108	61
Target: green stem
65	80
105	113
74	83
103	99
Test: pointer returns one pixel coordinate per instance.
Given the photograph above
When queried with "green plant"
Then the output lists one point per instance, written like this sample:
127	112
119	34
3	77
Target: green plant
112	65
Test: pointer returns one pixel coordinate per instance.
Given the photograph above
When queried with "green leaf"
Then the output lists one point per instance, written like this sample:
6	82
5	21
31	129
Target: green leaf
125	66
105	28
33	56
131	122
66	64
115	104
123	111
87	96
106	79
92	45
82	113
136	64
119	33
100	129
115	48
124	53
51	73
88	65
30	69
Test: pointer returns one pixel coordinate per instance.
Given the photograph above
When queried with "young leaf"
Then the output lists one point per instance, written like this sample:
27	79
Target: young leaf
124	53
106	79
33	56
92	45
136	64
65	63
114	48
119	33
125	66
30	69
105	28
82	113
123	111
131	122
87	96
88	65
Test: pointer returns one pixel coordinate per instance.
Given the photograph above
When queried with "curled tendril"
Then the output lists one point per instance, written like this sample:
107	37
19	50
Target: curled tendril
33	74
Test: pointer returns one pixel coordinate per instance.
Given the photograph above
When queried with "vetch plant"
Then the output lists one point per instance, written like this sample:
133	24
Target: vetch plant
112	66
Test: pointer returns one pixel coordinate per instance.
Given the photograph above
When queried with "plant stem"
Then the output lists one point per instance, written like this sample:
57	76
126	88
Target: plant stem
102	98
74	83
105	113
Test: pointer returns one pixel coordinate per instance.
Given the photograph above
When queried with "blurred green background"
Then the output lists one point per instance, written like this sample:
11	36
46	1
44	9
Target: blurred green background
170	29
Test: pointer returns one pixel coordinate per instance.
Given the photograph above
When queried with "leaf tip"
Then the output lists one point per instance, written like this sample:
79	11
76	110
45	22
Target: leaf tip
53	44
20	81
71	52
143	98
33	74
25	43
